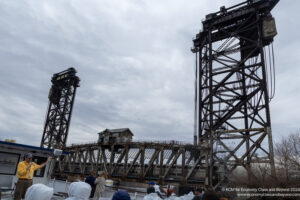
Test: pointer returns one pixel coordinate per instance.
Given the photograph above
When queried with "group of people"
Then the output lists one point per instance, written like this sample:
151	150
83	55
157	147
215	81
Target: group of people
93	187
97	184
154	192
82	191
77	191
25	172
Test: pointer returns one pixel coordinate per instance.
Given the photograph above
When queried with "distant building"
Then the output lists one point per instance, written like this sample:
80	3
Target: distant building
115	135
9	140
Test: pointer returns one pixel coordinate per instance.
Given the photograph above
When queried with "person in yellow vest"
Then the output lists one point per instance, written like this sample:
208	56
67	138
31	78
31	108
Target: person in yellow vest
25	173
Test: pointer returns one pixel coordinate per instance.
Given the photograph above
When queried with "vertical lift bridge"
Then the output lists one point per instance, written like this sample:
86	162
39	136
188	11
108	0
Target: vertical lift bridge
234	85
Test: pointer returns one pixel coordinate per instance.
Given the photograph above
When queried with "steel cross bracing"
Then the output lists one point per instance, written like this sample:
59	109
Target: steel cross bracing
139	161
61	100
232	97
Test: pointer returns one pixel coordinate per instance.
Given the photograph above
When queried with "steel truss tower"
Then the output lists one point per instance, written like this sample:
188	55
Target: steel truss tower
234	69
61	100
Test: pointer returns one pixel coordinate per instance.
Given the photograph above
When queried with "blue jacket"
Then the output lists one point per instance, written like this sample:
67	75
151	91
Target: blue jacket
90	180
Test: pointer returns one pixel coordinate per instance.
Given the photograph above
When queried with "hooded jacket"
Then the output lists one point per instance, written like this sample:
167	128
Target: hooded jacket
79	191
39	192
152	196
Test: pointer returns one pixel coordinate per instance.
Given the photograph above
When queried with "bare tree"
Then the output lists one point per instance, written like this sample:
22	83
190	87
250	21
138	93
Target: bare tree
288	157
294	140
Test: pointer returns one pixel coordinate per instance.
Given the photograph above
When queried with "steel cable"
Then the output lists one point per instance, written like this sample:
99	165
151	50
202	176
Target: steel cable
196	94
274	74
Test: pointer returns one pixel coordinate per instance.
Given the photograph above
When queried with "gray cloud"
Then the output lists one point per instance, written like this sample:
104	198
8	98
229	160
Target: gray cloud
134	61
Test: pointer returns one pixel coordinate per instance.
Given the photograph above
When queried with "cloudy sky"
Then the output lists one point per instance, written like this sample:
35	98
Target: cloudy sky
134	61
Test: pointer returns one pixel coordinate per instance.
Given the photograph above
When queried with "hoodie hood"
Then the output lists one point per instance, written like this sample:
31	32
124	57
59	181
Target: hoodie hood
79	190
39	192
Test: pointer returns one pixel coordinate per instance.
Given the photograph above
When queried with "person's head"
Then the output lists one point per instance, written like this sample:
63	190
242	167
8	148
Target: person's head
121	195
198	191
92	173
218	189
150	190
28	157
39	192
151	183
169	192
102	174
210	195
80	190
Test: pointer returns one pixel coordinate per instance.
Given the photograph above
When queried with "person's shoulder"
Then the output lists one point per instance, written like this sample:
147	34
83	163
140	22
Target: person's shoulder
22	162
197	197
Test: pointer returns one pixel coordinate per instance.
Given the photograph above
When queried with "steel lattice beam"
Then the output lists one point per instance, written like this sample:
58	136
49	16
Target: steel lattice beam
61	100
232	96
138	161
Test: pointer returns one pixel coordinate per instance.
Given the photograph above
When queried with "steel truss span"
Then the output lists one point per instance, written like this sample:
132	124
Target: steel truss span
61	100
234	84
137	161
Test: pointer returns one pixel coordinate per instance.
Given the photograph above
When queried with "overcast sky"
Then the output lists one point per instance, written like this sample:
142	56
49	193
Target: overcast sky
134	61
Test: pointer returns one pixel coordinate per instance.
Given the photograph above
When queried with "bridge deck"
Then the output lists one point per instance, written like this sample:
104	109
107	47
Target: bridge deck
166	162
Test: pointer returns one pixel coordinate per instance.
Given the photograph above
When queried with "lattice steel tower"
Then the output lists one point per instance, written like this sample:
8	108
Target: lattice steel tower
234	85
61	100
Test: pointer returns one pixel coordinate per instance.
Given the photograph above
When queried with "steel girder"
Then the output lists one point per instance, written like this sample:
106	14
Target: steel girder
138	161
